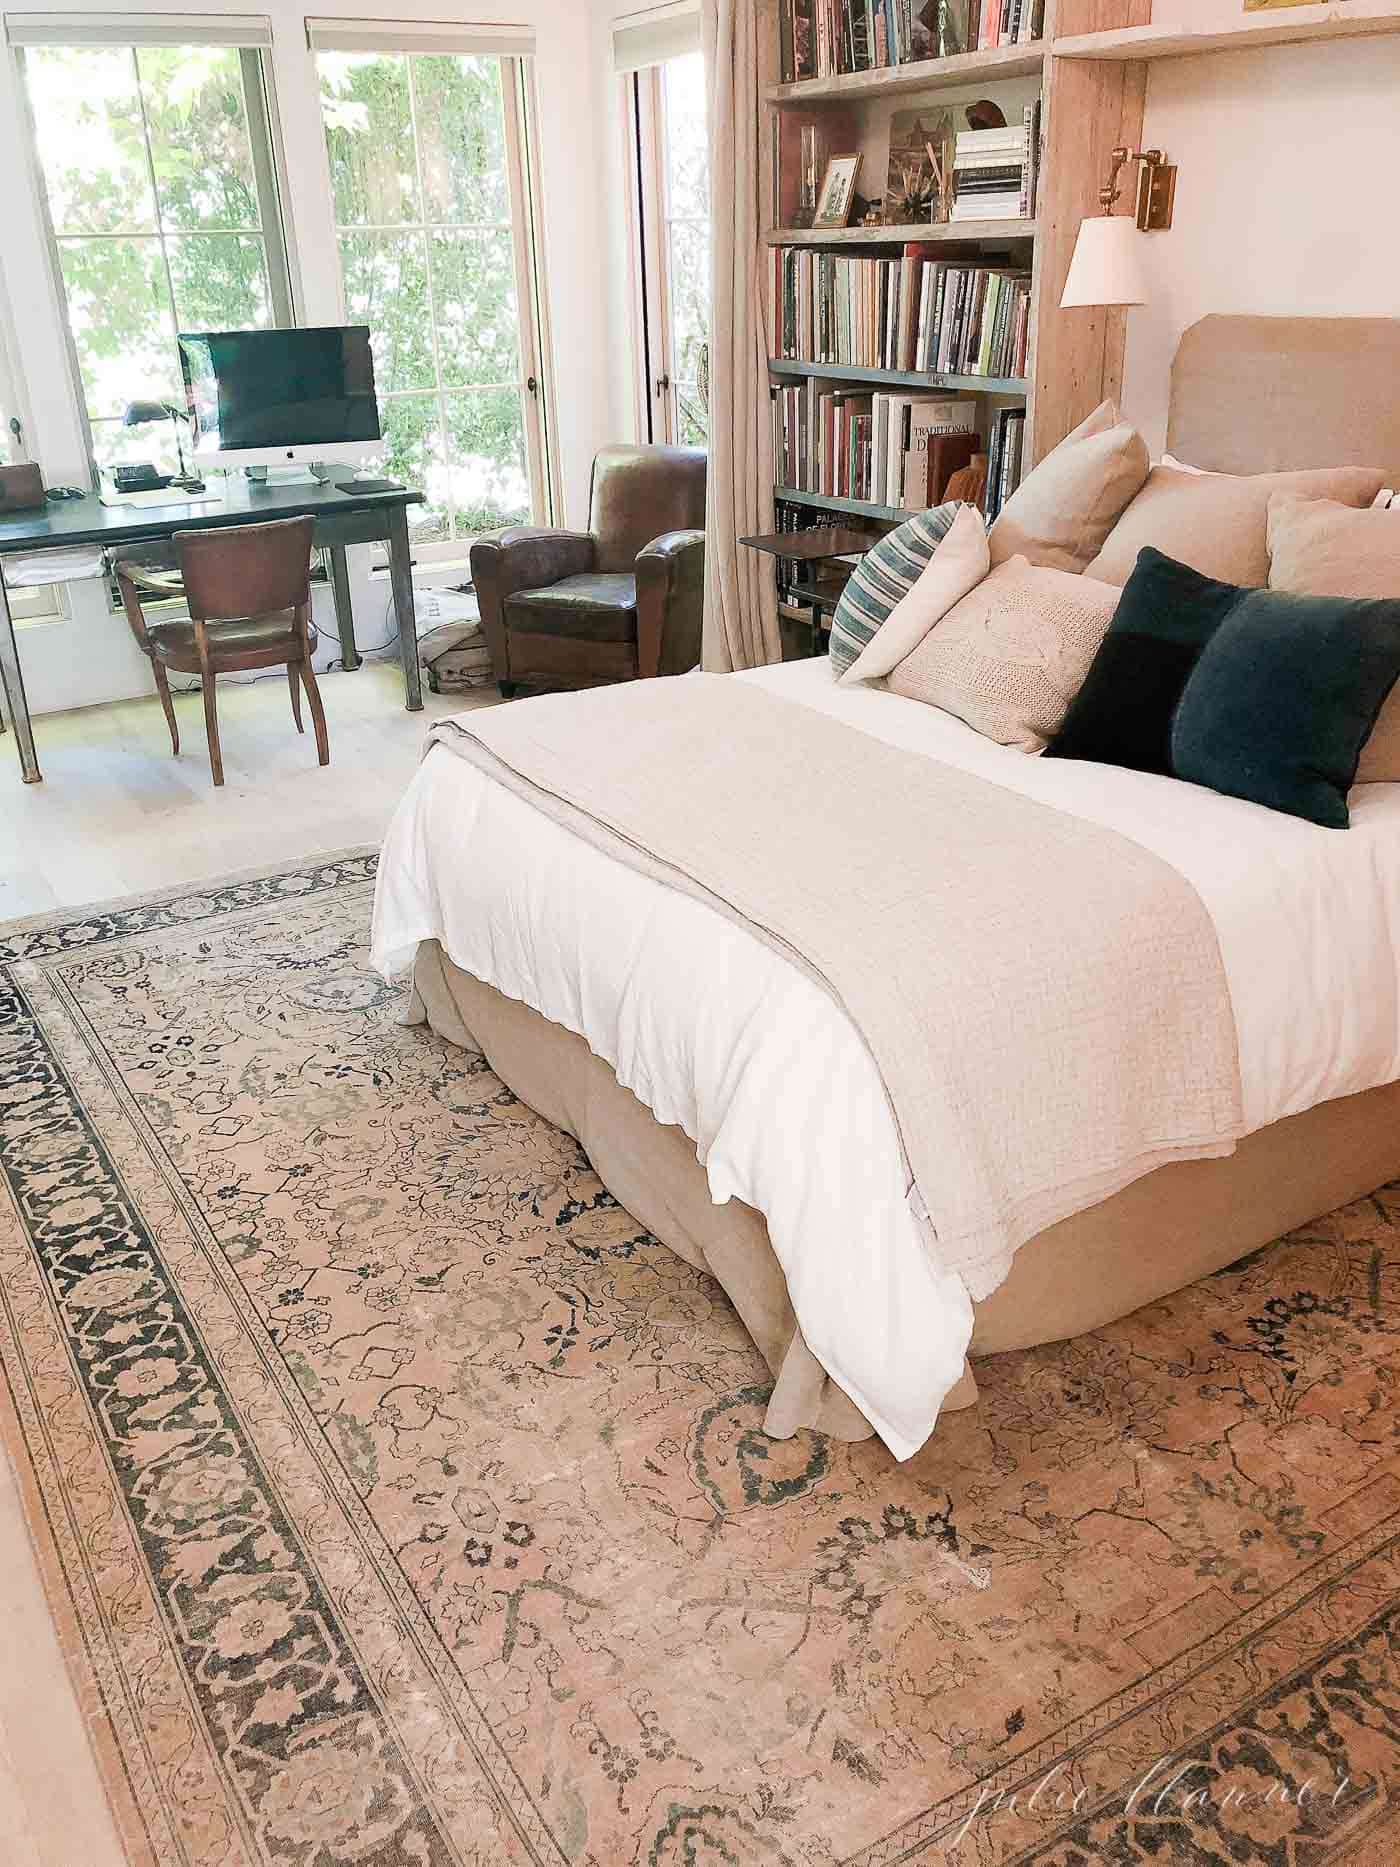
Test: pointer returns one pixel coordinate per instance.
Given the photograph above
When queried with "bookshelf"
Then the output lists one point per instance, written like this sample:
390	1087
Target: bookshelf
1090	104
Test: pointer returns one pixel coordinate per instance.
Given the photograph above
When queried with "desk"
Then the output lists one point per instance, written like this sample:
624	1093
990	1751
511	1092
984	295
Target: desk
341	519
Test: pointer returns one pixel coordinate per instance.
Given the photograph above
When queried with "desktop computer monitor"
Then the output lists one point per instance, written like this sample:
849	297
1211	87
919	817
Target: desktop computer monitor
271	398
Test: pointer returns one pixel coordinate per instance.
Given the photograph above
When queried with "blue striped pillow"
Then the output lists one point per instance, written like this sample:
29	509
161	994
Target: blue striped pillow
881	578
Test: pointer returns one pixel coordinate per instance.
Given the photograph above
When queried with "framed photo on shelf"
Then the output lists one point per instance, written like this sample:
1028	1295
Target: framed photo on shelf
838	191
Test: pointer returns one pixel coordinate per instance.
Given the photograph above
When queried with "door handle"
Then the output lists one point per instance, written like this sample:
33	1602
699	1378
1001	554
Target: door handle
663	383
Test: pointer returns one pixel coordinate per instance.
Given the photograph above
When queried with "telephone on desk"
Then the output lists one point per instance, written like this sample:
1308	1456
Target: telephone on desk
138	477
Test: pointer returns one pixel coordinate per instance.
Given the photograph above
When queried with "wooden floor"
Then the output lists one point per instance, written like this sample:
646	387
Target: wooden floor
117	815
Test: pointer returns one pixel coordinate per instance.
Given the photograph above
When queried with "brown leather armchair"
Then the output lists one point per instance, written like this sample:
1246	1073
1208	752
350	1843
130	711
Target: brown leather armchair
618	602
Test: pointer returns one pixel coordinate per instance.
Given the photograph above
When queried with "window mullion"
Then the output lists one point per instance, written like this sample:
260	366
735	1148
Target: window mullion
155	191
274	244
428	274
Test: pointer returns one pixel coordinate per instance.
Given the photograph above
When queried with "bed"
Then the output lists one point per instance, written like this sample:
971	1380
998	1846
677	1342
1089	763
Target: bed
730	1105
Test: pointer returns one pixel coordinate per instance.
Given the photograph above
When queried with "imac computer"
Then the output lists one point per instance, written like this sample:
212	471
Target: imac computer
260	399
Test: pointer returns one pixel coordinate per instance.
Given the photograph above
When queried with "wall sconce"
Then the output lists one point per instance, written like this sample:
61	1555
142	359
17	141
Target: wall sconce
1107	265
1156	188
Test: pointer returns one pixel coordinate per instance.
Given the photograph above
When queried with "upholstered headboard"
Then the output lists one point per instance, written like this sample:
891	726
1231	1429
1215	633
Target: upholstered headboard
1266	395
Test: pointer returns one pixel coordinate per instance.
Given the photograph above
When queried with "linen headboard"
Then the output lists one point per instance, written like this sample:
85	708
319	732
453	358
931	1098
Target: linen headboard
1267	395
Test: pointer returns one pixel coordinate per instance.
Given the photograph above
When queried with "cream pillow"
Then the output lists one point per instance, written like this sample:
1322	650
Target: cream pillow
1012	655
1066	506
957	565
1218	522
1320	548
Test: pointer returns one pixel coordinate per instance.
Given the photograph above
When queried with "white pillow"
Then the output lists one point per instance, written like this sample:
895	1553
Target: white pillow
958	565
1013	654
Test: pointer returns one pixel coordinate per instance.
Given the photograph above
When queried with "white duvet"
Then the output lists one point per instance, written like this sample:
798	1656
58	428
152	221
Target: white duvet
716	1032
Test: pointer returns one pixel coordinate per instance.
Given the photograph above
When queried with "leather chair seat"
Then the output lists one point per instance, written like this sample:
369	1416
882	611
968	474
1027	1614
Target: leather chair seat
597	606
275	636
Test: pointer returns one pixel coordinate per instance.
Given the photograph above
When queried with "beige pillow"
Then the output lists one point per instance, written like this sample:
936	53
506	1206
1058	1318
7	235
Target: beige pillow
1012	655
1066	506
1320	548
1218	522
959	562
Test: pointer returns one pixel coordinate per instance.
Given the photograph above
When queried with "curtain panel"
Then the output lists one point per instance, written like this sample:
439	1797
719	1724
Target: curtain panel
741	615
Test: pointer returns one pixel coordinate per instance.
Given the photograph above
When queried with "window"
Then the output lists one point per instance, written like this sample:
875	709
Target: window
673	203
161	194
433	227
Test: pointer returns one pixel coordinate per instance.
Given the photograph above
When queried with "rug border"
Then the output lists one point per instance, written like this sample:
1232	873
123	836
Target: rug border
80	1673
160	897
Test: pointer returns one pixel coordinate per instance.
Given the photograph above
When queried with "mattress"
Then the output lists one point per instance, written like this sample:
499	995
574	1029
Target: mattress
718	1034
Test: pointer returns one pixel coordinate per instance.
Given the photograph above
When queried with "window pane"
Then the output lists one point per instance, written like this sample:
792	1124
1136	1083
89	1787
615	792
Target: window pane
386	287
87	121
475	305
687	138
692	415
220	282
198	127
413	453
489	479
461	132
119	312
690	294
369	138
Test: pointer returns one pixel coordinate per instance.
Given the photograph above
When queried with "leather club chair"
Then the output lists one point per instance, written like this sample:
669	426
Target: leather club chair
618	602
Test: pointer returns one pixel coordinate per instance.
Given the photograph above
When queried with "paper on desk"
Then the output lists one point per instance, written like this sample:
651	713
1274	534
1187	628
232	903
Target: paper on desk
54	566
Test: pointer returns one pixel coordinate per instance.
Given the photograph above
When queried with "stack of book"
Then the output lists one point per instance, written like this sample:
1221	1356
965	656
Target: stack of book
917	312
821	38
974	321
1009	22
1005	460
893	450
995	171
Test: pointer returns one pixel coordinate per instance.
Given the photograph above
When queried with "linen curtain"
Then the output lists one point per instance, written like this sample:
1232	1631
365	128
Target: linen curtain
741	616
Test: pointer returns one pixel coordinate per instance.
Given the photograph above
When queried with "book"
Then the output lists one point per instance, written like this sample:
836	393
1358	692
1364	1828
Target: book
922	420
945	455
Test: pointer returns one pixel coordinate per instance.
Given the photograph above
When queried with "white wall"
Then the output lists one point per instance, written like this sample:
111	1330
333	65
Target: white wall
91	657
1286	200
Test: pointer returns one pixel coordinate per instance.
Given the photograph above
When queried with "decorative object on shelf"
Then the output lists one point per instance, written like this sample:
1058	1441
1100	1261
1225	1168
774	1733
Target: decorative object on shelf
969	484
838	190
139	413
919	184
809	160
873	215
1106	268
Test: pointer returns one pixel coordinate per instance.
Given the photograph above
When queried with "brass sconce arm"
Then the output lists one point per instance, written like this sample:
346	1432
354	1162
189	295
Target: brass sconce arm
1156	187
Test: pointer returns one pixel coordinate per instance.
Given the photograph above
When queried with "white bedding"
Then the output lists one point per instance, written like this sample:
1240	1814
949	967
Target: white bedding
717	1033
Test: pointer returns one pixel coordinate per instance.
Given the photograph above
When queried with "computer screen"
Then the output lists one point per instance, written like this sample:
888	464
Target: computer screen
279	389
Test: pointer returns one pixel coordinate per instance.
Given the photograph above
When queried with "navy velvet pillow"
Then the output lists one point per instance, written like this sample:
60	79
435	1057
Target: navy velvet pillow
1283	698
1122	715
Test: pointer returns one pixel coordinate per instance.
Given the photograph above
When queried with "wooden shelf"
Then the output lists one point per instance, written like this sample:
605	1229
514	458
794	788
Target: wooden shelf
929	74
911	379
1305	25
827	502
949	233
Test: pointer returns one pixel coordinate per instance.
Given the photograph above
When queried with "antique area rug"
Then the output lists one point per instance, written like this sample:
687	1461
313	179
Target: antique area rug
402	1503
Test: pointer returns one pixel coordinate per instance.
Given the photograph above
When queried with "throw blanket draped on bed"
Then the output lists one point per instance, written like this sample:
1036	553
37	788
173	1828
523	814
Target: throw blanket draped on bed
1044	999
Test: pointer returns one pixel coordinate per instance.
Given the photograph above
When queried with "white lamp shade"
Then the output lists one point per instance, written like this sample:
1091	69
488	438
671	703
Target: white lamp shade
1107	264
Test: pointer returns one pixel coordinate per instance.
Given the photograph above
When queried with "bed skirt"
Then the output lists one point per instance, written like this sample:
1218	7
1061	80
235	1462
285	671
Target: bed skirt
1164	1231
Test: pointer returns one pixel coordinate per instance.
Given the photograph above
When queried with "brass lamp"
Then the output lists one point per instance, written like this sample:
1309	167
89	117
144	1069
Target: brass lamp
1107	265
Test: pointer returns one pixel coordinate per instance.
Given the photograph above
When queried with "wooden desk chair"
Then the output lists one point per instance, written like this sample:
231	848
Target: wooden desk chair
248	591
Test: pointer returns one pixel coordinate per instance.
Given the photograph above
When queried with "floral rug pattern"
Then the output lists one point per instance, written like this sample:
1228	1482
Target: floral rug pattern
402	1503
